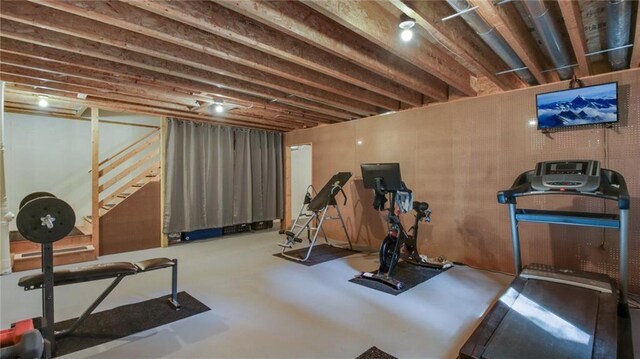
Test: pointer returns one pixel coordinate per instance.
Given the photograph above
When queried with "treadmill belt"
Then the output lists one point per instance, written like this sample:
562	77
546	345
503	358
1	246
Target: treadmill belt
547	320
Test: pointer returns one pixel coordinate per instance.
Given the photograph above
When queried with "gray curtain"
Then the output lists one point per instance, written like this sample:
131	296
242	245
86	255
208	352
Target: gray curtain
199	169
257	191
218	176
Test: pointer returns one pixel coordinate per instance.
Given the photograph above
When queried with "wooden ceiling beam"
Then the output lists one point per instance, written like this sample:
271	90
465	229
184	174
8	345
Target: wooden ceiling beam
112	82
458	38
69	24
271	114
635	50
508	23
108	104
573	21
34	107
257	114
32	99
305	24
26	33
144	76
75	86
216	19
150	24
376	24
70	87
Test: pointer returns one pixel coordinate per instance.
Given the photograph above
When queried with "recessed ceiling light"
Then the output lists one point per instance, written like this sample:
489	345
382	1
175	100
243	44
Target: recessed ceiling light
406	35
218	108
406	24
43	102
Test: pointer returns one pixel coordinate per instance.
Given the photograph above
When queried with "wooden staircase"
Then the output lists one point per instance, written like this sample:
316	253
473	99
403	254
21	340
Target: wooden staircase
74	248
132	177
120	176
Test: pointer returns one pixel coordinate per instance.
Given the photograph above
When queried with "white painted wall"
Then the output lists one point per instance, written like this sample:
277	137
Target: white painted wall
300	176
54	155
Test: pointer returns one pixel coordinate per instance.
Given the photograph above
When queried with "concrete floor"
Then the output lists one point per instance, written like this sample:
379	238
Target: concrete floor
266	307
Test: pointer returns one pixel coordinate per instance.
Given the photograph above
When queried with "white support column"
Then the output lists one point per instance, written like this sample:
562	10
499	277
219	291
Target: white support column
5	215
95	178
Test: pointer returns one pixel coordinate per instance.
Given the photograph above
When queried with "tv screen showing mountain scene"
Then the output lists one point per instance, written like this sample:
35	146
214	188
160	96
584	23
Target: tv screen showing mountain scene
579	106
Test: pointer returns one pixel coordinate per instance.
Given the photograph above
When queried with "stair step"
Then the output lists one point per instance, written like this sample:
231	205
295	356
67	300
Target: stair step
108	205
61	256
18	245
124	195
87	218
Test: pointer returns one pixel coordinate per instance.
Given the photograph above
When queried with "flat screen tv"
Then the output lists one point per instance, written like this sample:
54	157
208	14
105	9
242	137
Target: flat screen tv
588	105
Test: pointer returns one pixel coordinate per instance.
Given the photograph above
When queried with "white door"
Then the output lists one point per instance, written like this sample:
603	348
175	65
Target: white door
300	176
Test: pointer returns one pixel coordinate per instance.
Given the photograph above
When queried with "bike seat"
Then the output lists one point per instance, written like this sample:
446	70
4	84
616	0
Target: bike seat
420	206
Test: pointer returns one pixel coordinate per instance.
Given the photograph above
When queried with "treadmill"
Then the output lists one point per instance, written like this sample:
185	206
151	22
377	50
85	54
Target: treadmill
552	313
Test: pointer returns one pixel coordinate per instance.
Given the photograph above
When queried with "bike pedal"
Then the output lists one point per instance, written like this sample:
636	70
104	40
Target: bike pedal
285	245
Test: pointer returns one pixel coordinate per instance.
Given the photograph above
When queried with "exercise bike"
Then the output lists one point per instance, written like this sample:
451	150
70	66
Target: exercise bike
399	243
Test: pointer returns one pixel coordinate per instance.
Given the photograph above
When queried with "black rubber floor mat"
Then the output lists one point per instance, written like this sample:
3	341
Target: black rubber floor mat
409	274
375	353
125	320
319	254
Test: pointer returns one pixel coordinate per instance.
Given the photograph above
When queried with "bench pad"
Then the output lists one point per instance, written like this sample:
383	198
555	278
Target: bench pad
80	274
154	263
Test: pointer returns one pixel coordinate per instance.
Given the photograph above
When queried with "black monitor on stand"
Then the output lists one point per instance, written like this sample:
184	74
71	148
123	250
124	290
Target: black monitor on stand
384	176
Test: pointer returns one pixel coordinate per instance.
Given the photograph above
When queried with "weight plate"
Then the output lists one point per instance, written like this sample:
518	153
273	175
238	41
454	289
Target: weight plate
34	195
34	216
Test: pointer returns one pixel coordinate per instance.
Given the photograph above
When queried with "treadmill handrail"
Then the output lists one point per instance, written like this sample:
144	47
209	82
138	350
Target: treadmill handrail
612	187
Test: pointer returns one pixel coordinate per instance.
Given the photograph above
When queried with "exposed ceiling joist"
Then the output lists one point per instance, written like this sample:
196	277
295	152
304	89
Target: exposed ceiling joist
143	76
376	24
458	39
278	65
43	37
573	21
301	22
13	63
135	19
215	19
508	23
89	30
108	104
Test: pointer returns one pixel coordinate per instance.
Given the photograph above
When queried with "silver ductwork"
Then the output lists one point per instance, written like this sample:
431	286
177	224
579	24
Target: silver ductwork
493	39
618	32
550	36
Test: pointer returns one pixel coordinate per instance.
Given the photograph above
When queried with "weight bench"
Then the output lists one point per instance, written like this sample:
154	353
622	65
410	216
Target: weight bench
117	270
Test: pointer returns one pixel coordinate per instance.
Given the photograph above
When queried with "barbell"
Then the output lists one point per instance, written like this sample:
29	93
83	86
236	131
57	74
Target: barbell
43	218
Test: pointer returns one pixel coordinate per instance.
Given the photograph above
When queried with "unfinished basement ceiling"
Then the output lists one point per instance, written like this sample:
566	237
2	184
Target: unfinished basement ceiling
284	65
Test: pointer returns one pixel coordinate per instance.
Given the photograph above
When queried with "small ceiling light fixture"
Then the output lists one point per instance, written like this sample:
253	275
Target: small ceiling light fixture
406	24
218	108
43	102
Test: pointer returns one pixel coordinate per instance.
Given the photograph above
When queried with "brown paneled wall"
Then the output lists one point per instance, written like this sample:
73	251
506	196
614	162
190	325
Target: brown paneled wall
457	155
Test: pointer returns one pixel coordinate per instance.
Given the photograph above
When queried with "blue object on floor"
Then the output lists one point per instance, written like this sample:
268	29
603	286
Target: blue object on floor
202	234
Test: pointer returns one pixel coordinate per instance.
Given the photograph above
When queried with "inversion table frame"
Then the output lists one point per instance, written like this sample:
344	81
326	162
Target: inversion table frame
314	211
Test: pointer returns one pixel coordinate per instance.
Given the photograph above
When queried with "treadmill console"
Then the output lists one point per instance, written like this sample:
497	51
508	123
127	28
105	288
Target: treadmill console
580	175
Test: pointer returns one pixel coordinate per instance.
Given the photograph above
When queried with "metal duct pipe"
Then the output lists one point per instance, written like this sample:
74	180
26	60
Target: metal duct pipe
493	39
5	215
618	32
550	36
